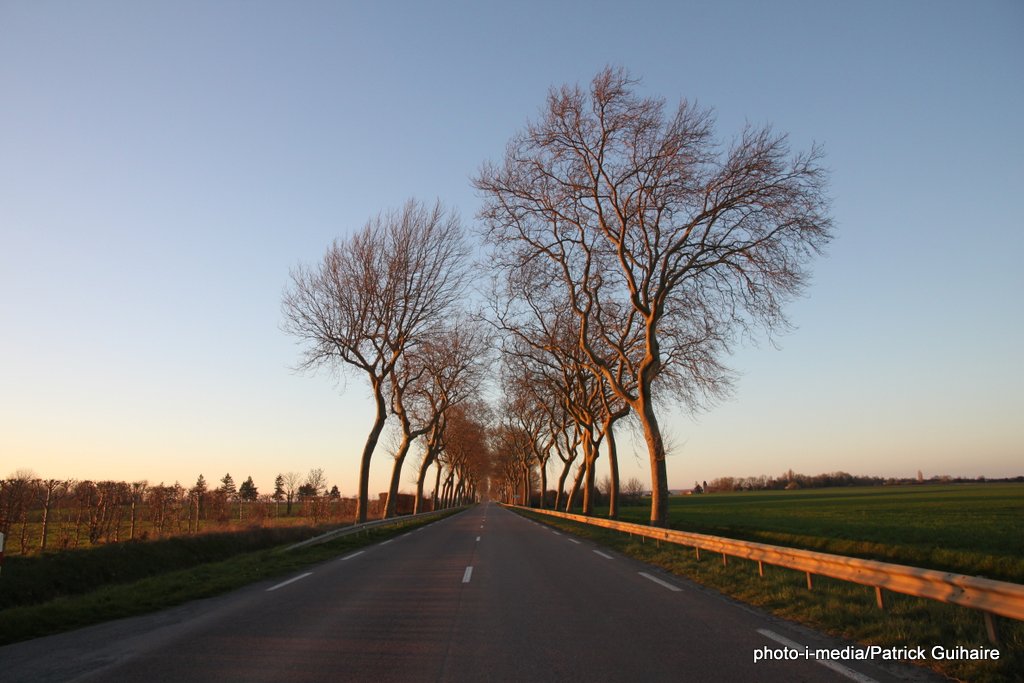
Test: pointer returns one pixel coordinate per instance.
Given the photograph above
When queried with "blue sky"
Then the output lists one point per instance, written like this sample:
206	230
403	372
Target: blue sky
164	164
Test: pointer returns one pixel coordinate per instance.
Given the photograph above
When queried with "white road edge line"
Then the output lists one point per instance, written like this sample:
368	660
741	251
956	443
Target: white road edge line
291	580
387	541
658	581
556	533
467	574
604	555
349	557
828	664
573	540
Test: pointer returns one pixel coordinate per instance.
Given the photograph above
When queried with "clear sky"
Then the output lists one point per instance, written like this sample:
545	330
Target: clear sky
164	164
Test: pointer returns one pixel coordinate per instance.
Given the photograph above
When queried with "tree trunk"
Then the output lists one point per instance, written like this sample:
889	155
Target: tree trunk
371	444
656	450
131	531
419	503
561	484
590	453
543	483
526	486
396	474
437	487
447	490
46	517
577	480
613	470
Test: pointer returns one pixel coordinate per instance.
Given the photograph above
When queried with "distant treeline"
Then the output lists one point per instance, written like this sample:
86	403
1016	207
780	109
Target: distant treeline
793	480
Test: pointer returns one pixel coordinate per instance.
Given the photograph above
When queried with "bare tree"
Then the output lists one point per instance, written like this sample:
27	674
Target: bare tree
466	457
291	482
527	413
137	491
654	231
440	373
542	348
374	296
16	496
51	491
316	482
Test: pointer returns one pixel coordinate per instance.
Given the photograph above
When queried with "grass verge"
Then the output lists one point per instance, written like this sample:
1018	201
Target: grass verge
174	587
835	607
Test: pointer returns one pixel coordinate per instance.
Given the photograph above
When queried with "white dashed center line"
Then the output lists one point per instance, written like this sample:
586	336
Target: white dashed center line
658	581
291	580
467	575
604	555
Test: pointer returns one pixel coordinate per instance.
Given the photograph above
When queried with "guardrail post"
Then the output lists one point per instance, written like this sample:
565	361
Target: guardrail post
992	628
697	548
1	552
725	560
810	584
760	568
878	597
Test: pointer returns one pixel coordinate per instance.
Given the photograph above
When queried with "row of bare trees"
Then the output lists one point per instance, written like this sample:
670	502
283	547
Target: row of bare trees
39	514
630	250
387	302
80	511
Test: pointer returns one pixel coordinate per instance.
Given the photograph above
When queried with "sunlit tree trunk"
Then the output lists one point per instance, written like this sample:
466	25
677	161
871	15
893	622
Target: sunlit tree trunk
362	501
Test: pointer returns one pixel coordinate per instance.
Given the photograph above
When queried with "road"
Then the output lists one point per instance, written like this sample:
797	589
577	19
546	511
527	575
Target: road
485	595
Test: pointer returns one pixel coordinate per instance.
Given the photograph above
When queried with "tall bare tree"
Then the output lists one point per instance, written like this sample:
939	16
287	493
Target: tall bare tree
375	295
654	230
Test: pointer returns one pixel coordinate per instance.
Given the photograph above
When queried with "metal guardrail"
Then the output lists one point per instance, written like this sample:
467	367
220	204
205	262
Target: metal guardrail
990	597
356	528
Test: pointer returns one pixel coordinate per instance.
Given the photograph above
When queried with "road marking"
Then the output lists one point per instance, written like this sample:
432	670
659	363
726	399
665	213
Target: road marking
291	580
467	574
658	581
828	664
477	539
556	533
349	557
573	540
604	555
387	541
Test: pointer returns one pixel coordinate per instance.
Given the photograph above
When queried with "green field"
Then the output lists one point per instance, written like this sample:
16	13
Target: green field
975	529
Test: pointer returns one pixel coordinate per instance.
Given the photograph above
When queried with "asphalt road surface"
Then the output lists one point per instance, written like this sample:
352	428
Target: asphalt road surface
485	595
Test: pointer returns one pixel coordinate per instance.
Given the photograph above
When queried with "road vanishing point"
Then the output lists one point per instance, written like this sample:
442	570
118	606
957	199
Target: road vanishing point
484	595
